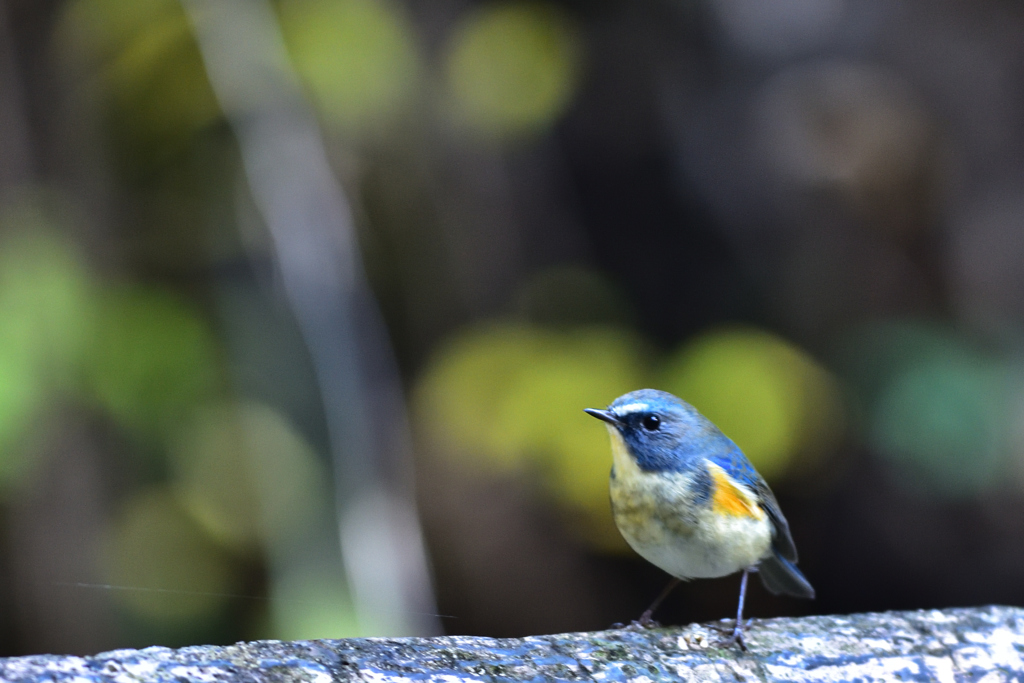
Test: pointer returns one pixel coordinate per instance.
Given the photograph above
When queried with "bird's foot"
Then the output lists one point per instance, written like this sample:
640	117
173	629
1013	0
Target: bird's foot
644	622
733	636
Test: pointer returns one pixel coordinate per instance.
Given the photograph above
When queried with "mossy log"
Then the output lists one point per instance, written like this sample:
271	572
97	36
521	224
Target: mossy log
937	645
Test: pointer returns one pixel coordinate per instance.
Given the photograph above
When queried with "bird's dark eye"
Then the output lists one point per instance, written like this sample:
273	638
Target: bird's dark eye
651	423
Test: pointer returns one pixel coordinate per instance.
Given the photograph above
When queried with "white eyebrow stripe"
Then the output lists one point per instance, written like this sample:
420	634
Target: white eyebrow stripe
631	408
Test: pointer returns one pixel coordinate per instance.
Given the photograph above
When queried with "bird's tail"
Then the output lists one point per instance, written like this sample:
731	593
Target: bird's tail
780	576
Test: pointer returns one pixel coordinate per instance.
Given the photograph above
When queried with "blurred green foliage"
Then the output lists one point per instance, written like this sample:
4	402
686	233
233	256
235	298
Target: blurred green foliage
227	480
46	302
146	360
152	360
512	67
144	355
459	397
541	414
47	308
233	480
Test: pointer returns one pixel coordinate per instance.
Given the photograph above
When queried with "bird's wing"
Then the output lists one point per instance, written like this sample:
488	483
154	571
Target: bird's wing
739	468
782	540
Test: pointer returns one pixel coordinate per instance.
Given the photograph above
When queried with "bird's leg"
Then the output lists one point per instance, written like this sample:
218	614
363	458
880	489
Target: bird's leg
737	631
645	620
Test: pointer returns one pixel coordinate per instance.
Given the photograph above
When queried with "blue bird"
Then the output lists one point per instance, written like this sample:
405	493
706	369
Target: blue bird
687	500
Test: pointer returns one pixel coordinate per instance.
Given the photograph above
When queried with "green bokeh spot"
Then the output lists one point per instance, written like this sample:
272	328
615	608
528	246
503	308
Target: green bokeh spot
153	359
358	58
313	602
512	67
47	302
942	424
46	309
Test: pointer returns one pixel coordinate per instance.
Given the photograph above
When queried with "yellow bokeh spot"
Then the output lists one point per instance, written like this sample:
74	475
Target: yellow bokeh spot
357	57
168	569
542	412
459	397
512	67
247	476
511	398
769	397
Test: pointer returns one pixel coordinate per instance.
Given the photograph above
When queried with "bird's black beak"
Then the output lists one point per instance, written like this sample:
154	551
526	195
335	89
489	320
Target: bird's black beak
603	415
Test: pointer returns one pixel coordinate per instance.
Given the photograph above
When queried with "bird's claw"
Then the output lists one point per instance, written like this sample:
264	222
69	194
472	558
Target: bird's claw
735	636
643	625
735	639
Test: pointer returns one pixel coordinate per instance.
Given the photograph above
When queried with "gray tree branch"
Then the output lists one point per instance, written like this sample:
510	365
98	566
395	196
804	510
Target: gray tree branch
938	645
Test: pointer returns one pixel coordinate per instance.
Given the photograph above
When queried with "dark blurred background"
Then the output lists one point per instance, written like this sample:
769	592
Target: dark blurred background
301	302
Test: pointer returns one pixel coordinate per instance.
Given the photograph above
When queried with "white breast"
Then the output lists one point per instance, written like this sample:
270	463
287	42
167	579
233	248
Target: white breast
656	514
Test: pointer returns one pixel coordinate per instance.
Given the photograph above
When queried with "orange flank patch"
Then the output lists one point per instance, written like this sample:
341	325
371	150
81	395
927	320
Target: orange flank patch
730	500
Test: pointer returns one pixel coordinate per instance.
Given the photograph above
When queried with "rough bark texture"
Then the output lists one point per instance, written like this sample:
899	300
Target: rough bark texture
939	645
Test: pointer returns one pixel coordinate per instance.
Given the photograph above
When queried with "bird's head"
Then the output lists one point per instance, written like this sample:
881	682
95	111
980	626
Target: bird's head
660	431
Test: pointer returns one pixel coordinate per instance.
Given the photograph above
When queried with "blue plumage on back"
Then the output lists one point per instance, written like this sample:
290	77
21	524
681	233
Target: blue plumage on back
737	466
